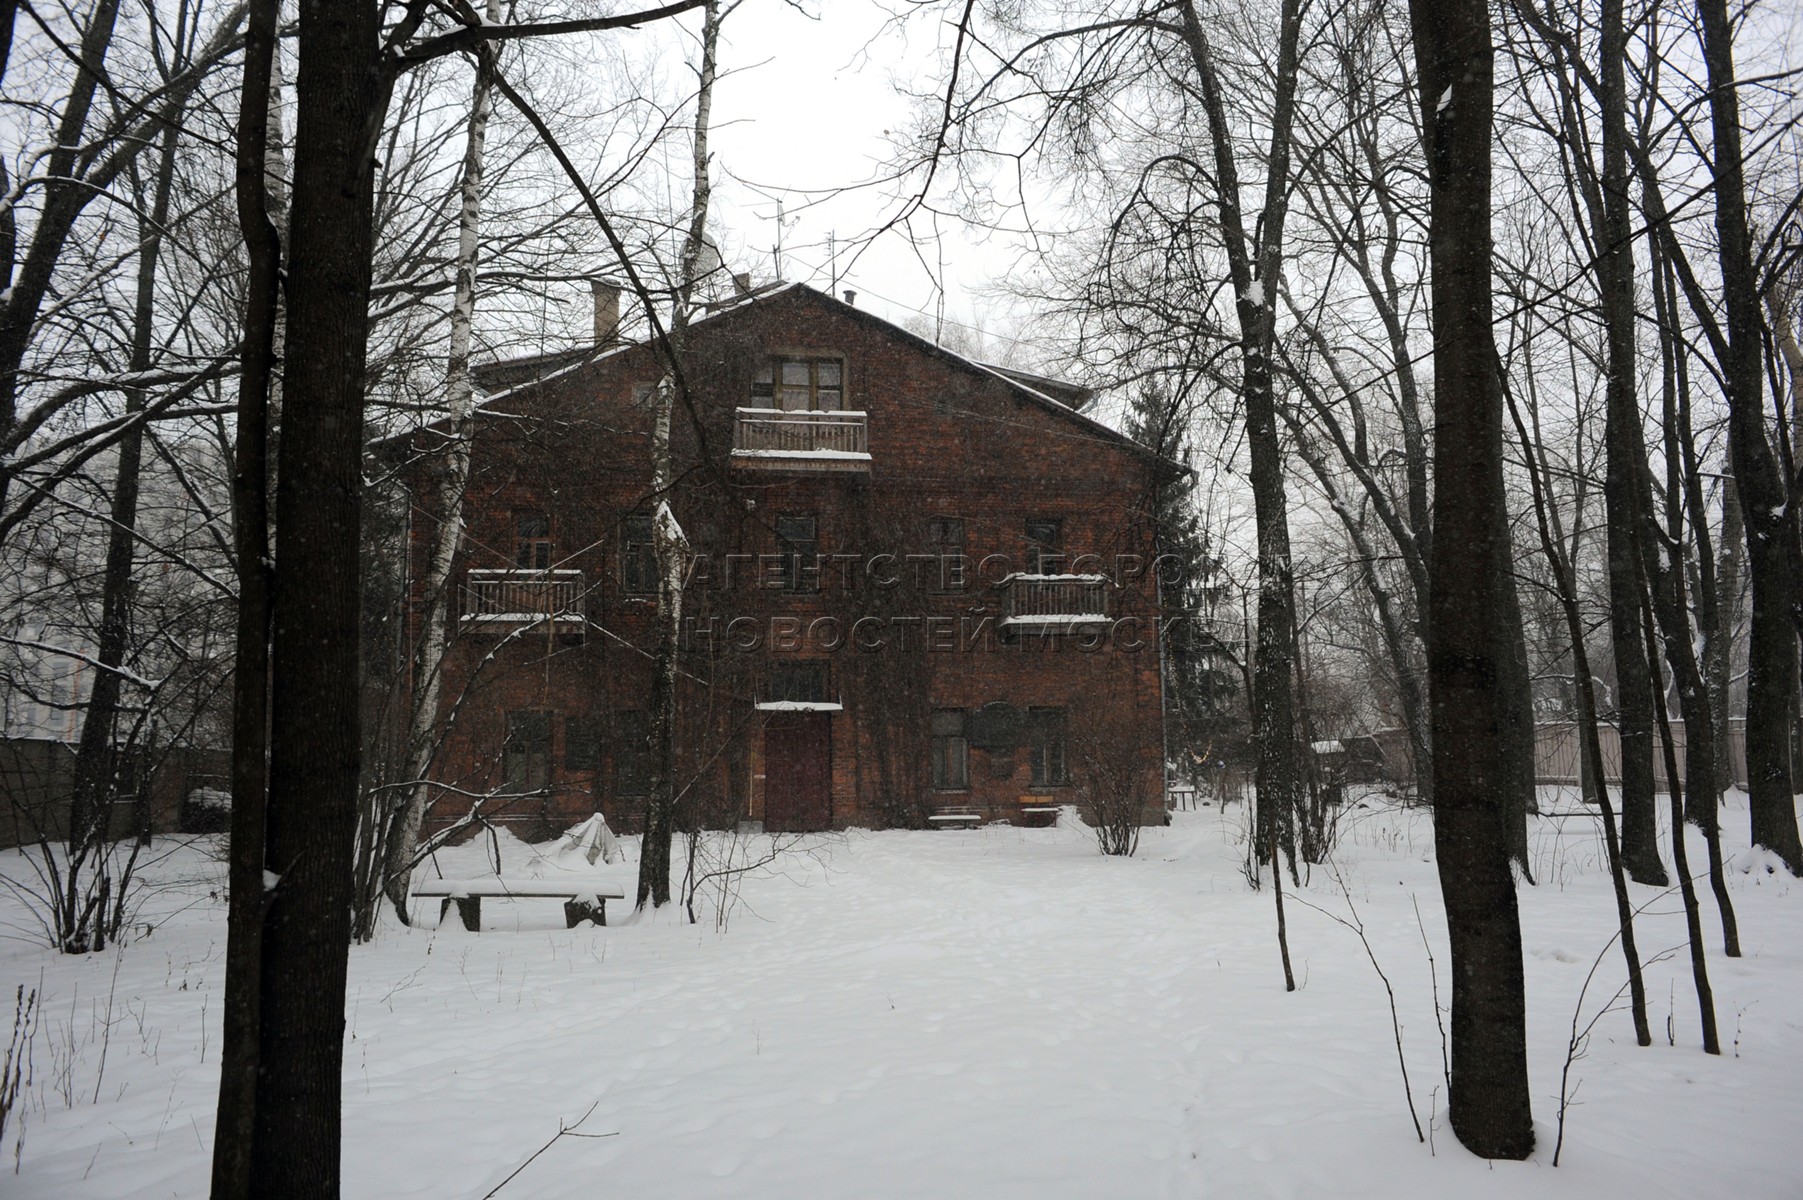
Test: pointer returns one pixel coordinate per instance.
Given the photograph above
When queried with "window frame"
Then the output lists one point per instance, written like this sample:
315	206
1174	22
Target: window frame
1048	737
950	561
768	387
638	556
790	553
581	745
1040	549
802	680
532	551
949	750
523	760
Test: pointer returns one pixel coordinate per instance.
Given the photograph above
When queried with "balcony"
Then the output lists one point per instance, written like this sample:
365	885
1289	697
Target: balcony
522	597
1054	602
774	439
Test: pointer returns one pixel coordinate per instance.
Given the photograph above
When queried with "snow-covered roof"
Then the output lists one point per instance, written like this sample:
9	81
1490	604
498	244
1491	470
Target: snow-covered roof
1045	395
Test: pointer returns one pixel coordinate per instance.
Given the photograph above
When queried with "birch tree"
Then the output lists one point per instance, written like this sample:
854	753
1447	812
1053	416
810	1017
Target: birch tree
668	540
393	835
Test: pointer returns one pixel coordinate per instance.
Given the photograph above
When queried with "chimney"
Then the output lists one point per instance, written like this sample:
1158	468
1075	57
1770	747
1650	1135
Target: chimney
607	311
741	284
851	297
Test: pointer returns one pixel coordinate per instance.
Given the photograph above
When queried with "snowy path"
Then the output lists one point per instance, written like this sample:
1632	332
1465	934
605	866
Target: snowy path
995	1013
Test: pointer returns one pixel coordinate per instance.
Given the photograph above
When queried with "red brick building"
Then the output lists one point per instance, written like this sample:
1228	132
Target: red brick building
920	584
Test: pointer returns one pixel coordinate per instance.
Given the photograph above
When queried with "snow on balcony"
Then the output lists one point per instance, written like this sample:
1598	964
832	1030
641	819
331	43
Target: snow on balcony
800	440
520	597
1054	601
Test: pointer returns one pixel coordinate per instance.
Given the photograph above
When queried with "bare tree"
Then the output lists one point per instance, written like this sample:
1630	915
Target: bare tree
669	543
347	67
81	158
1772	678
1113	777
1597	791
1140	102
392	834
1471	702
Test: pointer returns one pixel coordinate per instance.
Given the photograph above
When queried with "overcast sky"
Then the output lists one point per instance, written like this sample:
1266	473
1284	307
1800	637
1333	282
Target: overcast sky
806	110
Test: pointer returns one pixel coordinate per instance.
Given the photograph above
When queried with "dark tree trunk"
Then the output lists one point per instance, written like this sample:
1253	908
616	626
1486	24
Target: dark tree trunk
1772	660
315	748
1625	494
1693	916
1633	683
1718	647
1254	266
1599	796
64	197
1472	706
235	1121
1595	791
1518	797
9	12
1662	552
96	781
1714	572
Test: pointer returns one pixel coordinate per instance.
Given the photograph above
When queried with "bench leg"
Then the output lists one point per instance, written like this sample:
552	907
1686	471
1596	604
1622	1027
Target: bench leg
468	907
577	911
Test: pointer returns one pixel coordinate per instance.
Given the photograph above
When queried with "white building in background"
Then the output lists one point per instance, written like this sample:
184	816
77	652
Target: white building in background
43	694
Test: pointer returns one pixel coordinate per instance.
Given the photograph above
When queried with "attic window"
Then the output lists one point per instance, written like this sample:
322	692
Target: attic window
800	384
1042	546
531	540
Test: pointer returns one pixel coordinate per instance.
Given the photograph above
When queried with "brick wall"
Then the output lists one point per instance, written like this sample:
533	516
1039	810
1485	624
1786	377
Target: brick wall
946	441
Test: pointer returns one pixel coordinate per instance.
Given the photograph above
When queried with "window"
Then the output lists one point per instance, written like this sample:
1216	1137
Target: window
801	384
798	551
799	681
1042	546
632	753
526	754
1045	731
951	753
946	536
532	541
581	744
638	555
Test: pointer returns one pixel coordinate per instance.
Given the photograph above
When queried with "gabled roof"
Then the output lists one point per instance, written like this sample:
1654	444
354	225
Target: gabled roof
1017	381
500	378
1073	394
503	374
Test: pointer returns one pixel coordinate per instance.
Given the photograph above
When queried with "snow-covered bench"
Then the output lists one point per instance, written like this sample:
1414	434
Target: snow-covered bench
955	816
583	899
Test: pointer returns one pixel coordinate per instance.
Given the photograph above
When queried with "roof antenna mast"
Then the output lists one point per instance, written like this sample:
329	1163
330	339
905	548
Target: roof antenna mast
778	251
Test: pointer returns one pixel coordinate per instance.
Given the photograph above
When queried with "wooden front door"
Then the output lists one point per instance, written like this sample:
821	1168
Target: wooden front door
798	772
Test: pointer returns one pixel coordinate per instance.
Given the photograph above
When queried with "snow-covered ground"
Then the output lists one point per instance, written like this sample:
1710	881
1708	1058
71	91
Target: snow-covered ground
988	1013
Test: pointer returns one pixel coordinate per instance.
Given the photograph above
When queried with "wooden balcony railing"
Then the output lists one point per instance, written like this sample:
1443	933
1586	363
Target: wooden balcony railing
801	440
1055	600
503	596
